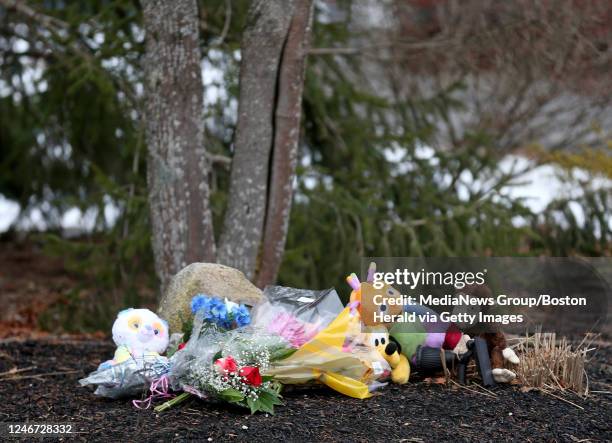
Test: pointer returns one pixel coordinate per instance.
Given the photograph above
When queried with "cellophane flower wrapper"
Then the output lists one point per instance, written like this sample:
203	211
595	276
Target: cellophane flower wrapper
297	315
338	357
127	379
193	368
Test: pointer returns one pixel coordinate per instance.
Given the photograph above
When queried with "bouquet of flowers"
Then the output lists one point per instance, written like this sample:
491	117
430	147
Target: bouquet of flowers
224	359
336	357
327	339
288	326
297	315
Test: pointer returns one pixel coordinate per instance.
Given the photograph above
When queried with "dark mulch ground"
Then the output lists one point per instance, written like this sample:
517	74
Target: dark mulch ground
414	412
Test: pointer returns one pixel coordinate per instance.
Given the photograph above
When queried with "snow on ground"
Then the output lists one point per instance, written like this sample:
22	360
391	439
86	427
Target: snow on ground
9	210
72	220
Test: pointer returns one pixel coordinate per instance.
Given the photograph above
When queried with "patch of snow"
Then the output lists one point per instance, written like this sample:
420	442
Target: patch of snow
73	219
536	186
9	211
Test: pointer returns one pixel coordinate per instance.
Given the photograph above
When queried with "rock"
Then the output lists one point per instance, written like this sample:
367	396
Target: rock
204	278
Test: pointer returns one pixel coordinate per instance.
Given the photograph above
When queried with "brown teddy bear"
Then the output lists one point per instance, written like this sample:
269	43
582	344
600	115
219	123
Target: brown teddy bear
499	351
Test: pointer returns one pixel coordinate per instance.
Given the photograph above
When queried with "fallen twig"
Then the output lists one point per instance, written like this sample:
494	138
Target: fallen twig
562	399
16	371
472	390
489	391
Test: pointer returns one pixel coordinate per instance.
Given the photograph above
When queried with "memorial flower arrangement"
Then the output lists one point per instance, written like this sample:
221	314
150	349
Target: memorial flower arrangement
228	366
244	358
224	359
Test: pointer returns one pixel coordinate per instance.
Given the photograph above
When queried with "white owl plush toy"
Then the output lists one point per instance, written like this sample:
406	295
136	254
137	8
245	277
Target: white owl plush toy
140	335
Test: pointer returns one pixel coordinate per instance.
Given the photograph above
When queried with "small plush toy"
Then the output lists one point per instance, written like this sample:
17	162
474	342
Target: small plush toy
139	335
499	351
391	352
363	296
379	337
408	335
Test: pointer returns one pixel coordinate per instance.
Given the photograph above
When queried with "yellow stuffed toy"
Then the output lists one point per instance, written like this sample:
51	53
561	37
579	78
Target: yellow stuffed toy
389	349
391	352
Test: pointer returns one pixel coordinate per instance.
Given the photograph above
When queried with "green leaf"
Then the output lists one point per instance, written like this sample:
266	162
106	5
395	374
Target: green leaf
268	400
282	354
231	395
265	406
260	405
272	396
265	402
252	404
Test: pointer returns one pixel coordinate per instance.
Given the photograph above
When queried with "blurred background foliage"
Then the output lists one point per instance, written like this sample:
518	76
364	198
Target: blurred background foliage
374	176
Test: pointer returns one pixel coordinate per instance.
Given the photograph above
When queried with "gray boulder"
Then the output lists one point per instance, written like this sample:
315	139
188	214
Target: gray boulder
204	278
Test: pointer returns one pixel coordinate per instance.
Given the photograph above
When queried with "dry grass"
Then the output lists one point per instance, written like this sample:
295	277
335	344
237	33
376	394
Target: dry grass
550	364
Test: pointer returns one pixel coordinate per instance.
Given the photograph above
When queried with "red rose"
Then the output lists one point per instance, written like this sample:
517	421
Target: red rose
226	365
181	346
251	375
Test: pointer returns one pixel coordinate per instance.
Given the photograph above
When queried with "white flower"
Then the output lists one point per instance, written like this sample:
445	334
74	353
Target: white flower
230	305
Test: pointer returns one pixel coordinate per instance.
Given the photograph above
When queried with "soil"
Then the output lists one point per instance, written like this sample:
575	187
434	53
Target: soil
415	412
40	297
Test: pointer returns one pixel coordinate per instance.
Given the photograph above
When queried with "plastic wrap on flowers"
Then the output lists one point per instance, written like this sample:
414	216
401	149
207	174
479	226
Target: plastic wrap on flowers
229	365
296	314
127	378
338	357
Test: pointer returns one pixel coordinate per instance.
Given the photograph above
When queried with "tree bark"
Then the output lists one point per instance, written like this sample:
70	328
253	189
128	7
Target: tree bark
286	139
262	45
177	165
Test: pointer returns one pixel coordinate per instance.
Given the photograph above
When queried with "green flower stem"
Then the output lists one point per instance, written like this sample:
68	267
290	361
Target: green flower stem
175	401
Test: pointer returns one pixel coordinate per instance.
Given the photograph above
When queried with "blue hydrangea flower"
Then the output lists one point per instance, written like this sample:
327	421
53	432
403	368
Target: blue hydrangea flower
242	316
214	310
200	303
217	311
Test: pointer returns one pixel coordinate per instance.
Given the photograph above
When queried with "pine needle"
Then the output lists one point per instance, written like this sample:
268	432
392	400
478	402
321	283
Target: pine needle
561	398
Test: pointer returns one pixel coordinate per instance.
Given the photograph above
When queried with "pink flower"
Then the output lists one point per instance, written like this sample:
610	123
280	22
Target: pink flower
226	365
251	375
292	329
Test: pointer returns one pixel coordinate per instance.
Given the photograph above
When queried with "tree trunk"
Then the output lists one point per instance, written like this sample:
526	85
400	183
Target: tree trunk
177	166
286	138
262	45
